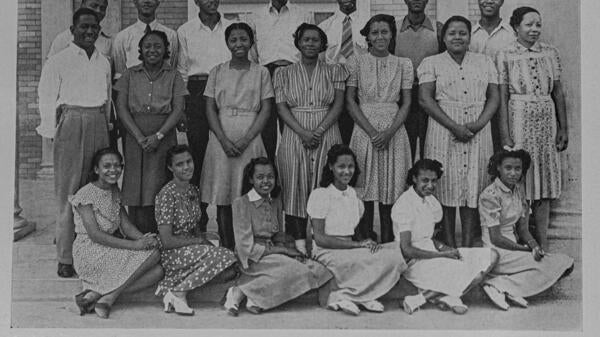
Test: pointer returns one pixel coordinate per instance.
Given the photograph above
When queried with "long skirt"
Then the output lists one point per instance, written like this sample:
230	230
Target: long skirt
145	172
518	274
449	276
465	164
276	279
533	128
383	176
300	169
358	275
190	267
221	178
102	268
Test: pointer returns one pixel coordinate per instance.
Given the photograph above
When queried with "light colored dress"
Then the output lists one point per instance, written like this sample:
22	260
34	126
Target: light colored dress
418	215
359	275
189	267
460	91
102	268
273	279
238	94
530	75
516	273
379	81
309	100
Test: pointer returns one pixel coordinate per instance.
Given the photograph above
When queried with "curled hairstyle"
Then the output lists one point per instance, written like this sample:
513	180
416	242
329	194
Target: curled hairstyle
249	173
171	152
390	20
164	39
81	12
456	18
498	157
239	26
517	16
424	165
307	26
92	175
332	156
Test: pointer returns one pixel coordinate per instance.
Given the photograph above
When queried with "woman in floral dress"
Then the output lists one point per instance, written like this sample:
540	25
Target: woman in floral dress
188	258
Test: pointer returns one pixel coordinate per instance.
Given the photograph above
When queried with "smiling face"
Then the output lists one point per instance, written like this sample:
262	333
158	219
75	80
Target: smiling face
109	169
310	43
457	37
146	7
85	31
182	167
380	36
490	8
416	6
425	182
263	179
208	6
239	43
153	50
98	6
530	28
510	171
343	170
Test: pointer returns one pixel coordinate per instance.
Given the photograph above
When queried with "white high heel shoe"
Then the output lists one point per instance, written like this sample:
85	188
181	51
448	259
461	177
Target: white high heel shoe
173	303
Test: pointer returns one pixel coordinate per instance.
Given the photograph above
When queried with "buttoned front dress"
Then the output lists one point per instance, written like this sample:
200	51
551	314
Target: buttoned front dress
460	91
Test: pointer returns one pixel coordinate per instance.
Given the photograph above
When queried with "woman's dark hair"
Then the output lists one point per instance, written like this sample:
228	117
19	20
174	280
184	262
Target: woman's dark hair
517	15
171	152
92	175
424	165
307	26
249	173
81	12
390	20
455	18
164	39
332	156
498	157
239	26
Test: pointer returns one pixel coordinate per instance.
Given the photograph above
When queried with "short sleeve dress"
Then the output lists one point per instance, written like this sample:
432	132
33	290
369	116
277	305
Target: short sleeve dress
238	93
102	268
530	74
192	266
379	81
359	276
460	91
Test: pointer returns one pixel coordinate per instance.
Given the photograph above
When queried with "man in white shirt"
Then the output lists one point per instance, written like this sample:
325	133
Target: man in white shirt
344	40
125	49
74	89
489	35
274	26
201	47
103	43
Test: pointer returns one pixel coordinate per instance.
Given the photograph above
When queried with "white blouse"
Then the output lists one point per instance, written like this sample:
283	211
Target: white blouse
340	209
417	215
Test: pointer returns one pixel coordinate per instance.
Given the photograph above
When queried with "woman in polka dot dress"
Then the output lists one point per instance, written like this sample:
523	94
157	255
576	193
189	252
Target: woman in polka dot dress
188	259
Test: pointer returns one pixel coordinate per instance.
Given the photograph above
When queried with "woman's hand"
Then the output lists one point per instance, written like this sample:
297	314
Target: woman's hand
230	149
146	242
451	253
538	253
562	140
381	141
308	139
507	142
242	144
473	127
371	245
462	133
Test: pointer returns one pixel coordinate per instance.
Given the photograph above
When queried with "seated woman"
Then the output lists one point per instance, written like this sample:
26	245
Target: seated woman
523	269
108	265
363	271
189	259
441	273
274	271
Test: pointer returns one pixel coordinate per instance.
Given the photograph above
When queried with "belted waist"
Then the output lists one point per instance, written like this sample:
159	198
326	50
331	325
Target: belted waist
531	98
201	77
380	104
82	109
465	105
236	112
310	109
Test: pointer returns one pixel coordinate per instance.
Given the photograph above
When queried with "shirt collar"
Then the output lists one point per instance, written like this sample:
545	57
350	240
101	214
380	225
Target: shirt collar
503	25
256	198
285	8
535	48
78	50
140	67
500	185
201	25
425	24
341	16
339	193
141	25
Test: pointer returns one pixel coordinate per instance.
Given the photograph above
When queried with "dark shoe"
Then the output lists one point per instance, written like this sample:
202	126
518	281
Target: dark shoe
102	310
85	306
65	270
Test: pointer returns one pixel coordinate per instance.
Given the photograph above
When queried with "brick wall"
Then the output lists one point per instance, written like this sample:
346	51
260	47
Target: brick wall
29	66
171	13
474	10
398	8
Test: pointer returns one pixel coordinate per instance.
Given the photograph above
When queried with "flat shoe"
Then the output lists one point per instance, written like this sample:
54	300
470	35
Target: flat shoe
102	310
455	304
412	303
517	300
349	308
65	270
229	303
497	297
253	308
373	306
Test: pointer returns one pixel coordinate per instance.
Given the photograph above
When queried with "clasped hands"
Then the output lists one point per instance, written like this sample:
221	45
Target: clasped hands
311	139
149	143
147	241
234	149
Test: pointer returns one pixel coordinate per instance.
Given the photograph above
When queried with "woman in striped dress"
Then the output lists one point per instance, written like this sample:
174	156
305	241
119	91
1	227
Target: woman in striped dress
459	91
310	97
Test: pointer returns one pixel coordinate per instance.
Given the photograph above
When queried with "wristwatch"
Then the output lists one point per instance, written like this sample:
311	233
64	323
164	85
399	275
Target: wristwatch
159	135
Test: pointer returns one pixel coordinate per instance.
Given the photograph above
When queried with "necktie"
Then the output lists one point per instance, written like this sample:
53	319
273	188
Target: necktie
346	48
148	29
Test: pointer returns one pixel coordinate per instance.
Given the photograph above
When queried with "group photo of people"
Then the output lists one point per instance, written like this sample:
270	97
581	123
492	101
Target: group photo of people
340	157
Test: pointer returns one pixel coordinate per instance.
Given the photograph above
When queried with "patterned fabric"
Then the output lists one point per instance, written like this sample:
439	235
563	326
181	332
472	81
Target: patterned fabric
379	82
347	48
102	268
530	74
192	266
461	94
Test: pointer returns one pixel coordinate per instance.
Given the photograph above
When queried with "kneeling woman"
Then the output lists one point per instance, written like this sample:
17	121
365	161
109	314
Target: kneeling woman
363	271
441	273
523	269
107	265
189	259
271	274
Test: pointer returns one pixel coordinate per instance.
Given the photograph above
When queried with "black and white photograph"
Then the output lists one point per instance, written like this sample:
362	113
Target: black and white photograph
219	166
